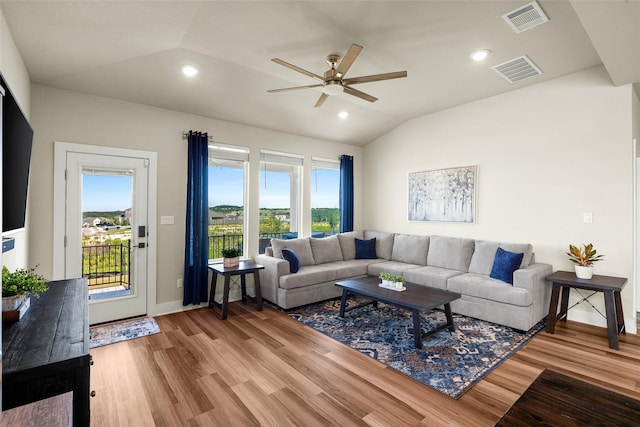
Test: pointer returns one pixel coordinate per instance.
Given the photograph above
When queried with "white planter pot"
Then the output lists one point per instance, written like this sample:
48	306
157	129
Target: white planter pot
584	272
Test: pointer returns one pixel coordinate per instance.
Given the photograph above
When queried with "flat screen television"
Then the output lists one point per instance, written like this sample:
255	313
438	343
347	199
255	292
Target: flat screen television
17	137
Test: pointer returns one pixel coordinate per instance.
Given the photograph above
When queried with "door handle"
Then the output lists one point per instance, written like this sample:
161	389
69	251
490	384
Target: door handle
140	245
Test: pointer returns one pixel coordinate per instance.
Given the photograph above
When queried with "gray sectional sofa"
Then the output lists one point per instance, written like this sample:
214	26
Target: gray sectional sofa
457	264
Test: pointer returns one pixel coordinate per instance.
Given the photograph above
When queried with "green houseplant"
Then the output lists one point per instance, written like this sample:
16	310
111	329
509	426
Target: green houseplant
392	281
584	257
17	285
231	256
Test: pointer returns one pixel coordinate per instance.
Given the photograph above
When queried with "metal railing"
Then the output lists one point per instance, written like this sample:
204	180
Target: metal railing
107	265
217	242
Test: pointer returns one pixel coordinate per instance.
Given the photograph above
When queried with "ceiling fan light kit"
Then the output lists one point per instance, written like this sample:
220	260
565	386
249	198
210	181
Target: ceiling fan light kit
333	82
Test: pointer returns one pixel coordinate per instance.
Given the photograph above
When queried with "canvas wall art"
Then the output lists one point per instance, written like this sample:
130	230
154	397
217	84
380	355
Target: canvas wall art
443	195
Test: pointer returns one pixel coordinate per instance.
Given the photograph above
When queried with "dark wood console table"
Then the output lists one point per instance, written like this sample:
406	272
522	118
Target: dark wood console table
46	353
610	286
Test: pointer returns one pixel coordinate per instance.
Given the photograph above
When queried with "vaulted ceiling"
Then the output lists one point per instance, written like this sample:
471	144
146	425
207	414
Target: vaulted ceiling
135	50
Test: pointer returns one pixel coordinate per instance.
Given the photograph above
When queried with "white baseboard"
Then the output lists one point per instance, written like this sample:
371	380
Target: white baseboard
630	323
176	306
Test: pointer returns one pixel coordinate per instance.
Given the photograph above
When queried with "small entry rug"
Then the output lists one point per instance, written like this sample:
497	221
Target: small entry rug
112	333
450	362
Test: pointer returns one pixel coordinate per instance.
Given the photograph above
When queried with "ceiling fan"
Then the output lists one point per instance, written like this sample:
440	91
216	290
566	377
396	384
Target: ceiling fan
334	82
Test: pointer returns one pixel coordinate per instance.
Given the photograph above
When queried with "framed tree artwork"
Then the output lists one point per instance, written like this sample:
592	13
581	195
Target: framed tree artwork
443	195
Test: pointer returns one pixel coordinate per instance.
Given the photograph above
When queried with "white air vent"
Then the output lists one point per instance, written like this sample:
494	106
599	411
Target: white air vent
517	69
526	17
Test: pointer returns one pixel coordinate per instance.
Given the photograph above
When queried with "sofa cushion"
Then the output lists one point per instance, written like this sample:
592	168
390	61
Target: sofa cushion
384	243
351	268
294	262
504	264
301	246
410	249
348	244
393	267
485	251
307	276
481	286
326	249
435	277
366	249
450	252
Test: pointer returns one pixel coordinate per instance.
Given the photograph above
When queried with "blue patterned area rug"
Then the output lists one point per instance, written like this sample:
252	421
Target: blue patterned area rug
112	333
450	362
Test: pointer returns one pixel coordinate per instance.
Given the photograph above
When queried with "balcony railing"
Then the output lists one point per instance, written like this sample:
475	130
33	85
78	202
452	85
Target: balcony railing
107	265
217	242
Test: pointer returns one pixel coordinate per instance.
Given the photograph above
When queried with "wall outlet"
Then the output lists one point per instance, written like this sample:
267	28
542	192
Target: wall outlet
180	283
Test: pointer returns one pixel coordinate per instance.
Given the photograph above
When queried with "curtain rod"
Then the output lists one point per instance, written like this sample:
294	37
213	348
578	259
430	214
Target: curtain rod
185	135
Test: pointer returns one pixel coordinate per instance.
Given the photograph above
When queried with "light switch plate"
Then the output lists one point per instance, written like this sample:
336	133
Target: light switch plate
587	217
167	220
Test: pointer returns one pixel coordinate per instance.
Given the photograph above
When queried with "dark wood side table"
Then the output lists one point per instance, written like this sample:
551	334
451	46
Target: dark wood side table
610	286
244	268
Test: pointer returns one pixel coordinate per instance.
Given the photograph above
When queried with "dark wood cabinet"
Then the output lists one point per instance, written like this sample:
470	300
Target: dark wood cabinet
46	353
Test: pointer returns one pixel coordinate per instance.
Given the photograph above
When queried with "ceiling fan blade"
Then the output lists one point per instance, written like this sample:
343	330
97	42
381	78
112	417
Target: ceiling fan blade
293	88
375	78
359	94
348	59
321	100
298	69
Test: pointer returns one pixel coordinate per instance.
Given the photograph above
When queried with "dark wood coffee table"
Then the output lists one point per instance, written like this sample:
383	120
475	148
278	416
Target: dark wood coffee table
416	298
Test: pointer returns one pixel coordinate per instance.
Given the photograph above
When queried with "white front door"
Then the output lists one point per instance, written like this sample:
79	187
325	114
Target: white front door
108	243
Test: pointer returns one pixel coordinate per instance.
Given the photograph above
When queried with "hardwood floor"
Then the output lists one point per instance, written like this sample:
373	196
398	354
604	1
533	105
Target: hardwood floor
264	368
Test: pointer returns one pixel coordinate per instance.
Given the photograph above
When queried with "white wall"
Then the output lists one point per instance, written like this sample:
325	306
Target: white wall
545	155
15	74
59	115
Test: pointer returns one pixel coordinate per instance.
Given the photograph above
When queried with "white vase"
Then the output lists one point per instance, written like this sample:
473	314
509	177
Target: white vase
584	272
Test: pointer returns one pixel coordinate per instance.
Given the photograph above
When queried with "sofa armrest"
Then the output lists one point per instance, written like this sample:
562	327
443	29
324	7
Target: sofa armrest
532	278
274	268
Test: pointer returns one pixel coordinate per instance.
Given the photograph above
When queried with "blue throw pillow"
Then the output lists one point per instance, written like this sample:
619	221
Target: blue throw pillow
504	264
366	249
292	257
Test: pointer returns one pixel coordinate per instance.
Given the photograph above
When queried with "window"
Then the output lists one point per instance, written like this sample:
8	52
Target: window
279	196
325	197
228	167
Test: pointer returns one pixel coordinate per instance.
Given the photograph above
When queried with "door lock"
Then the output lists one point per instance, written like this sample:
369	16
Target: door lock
140	245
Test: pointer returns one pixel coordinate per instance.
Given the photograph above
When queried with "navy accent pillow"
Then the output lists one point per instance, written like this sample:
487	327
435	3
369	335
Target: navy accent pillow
366	249
292	257
504	264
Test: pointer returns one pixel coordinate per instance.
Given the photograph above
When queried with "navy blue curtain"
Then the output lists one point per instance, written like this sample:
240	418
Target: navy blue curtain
346	193
196	236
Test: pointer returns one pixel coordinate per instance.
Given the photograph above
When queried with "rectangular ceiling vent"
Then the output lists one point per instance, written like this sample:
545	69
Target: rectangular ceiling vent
526	17
517	69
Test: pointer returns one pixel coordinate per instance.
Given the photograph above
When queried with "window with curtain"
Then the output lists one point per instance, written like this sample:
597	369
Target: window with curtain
325	197
280	196
228	167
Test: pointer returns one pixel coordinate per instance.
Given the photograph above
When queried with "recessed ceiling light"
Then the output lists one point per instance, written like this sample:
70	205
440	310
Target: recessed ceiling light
343	115
480	55
189	71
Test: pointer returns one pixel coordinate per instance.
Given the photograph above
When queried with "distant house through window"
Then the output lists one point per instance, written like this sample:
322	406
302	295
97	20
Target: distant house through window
325	197
228	166
280	196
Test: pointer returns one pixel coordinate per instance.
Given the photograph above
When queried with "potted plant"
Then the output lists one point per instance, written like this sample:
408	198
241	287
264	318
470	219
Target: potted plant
231	257
392	281
583	258
18	285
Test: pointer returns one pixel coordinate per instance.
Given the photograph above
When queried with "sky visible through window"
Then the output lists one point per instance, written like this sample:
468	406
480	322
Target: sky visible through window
112	193
102	193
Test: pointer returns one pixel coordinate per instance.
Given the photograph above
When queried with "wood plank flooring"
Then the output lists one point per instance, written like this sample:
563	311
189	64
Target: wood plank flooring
266	369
